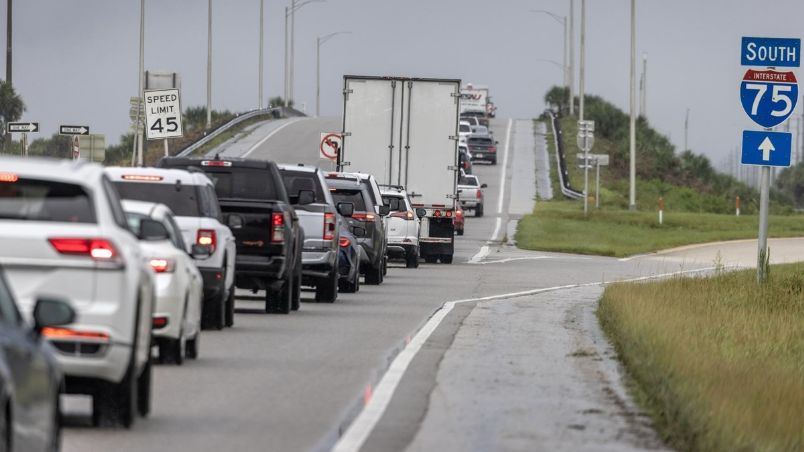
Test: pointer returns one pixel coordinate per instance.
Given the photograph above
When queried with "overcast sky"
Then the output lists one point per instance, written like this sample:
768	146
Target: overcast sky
75	61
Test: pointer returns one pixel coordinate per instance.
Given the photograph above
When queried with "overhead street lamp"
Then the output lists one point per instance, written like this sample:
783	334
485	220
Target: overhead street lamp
209	64
319	41
261	68
562	20
563	68
290	53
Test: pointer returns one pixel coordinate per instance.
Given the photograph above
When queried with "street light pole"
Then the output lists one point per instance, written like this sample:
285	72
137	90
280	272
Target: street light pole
319	41
140	86
295	5
643	87
9	16
686	128
287	43
209	64
572	57
632	125
583	58
562	20
262	30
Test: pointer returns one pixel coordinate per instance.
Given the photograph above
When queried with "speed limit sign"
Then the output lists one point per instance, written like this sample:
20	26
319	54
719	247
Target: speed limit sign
769	97
162	114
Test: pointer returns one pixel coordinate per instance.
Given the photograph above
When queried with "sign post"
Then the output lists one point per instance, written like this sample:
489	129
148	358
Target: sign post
25	128
586	139
768	98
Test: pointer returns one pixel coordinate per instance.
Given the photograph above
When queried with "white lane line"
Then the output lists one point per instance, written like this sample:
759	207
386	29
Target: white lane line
513	259
268	137
484	251
504	165
359	431
497	226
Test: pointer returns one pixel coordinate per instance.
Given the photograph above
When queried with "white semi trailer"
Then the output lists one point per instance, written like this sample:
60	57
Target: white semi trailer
404	131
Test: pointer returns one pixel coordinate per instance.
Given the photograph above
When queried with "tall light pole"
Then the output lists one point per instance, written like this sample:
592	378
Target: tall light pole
562	20
686	129
318	42
140	84
287	57
262	31
209	64
643	87
583	59
295	5
572	57
632	130
9	16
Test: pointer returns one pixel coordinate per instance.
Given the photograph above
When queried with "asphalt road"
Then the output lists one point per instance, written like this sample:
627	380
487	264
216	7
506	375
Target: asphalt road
296	382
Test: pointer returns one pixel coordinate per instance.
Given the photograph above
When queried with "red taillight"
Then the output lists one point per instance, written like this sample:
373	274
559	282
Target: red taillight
142	178
207	237
478	194
68	334
277	227
437	213
459	213
367	217
9	177
162	265
329	226
98	249
215	163
449	214
407	215
492	149
344	242
160	322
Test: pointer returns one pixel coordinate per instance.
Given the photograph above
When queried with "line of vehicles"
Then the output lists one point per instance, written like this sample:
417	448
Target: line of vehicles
104	270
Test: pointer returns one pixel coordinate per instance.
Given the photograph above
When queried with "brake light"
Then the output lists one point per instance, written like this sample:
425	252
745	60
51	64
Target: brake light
141	177
97	249
277	227
478	194
344	242
160	322
162	265
207	237
459	213
449	214
367	217
215	163
69	333
492	148
9	177
437	213
329	226
407	215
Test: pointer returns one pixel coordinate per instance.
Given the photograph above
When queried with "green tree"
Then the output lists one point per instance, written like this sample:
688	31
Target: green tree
791	184
11	107
277	102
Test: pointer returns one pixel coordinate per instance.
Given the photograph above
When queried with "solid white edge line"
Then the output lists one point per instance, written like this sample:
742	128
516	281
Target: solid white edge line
358	432
268	137
504	165
497	226
484	251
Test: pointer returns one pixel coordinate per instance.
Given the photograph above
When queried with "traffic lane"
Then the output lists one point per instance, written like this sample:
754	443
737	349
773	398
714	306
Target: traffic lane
297	142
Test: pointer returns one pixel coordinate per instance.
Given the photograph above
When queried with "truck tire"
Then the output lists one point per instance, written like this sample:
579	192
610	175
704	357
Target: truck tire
412	259
479	210
230	308
280	301
193	346
494	161
144	390
326	290
374	274
296	301
431	259
446	258
350	286
459	231
172	351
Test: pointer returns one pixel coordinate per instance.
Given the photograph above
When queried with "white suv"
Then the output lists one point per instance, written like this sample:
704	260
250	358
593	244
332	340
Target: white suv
402	226
63	233
191	197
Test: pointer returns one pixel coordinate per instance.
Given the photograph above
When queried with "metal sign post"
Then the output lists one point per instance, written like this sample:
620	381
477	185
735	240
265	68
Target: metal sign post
586	139
768	98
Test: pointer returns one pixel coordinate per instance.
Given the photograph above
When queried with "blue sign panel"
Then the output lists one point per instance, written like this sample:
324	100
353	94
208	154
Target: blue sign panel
770	52
769	97
766	148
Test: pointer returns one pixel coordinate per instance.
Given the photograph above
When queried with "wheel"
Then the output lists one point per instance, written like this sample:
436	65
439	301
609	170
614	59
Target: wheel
431	259
494	161
459	231
5	428
173	351
213	316
192	346
280	301
374	274
144	391
230	308
326	290
116	404
479	210
412	259
55	433
446	258
296	301
384	266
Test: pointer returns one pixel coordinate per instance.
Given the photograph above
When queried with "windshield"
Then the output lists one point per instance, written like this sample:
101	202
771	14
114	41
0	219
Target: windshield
295	181
244	183
181	199
42	200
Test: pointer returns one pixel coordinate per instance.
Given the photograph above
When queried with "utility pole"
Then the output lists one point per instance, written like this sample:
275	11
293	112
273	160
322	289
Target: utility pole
292	48
141	85
643	87
209	65
262	31
686	128
583	58
287	56
9	16
632	130
572	57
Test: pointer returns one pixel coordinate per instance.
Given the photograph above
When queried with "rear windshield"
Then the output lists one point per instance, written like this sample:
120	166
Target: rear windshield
296	181
468	180
402	205
353	196
41	200
245	183
480	141
465	128
182	199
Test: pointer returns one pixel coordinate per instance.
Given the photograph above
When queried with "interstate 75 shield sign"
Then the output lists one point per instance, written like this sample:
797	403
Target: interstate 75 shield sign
769	97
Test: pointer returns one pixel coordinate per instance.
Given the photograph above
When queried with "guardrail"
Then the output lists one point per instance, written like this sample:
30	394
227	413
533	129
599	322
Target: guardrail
226	126
561	161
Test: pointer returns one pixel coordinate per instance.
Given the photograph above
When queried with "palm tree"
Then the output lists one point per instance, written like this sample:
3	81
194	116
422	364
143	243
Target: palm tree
11	107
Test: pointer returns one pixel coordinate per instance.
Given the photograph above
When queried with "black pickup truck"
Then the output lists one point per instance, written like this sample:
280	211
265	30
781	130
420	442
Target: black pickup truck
266	228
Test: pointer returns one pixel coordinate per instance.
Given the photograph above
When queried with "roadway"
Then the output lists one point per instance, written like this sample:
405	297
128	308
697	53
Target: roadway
297	382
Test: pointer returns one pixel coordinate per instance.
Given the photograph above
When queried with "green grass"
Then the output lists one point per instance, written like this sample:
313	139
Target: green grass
718	362
560	226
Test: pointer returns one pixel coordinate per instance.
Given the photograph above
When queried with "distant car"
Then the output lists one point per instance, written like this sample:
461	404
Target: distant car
481	130
464	130
349	258
402	226
63	231
459	220
348	189
483	148
191	197
465	159
471	119
179	285
30	378
470	193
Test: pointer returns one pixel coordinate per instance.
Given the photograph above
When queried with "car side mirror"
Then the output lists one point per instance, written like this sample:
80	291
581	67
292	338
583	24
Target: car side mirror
483	185
50	312
306	197
234	221
358	231
200	251
152	231
421	213
346	209
384	210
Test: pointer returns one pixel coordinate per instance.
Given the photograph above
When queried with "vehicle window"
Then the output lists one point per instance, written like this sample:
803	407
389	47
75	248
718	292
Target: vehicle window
134	220
465	128
174	232
367	183
353	196
301	180
114	204
245	183
472	181
480	141
43	200
183	200
214	205
8	310
402	206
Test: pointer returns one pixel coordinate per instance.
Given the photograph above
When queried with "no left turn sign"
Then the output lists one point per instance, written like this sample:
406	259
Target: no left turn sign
330	145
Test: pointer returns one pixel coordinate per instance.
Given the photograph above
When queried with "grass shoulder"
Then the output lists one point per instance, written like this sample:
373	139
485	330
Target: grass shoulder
718	361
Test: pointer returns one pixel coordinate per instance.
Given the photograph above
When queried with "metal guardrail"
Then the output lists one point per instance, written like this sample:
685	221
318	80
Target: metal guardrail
561	162
224	127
